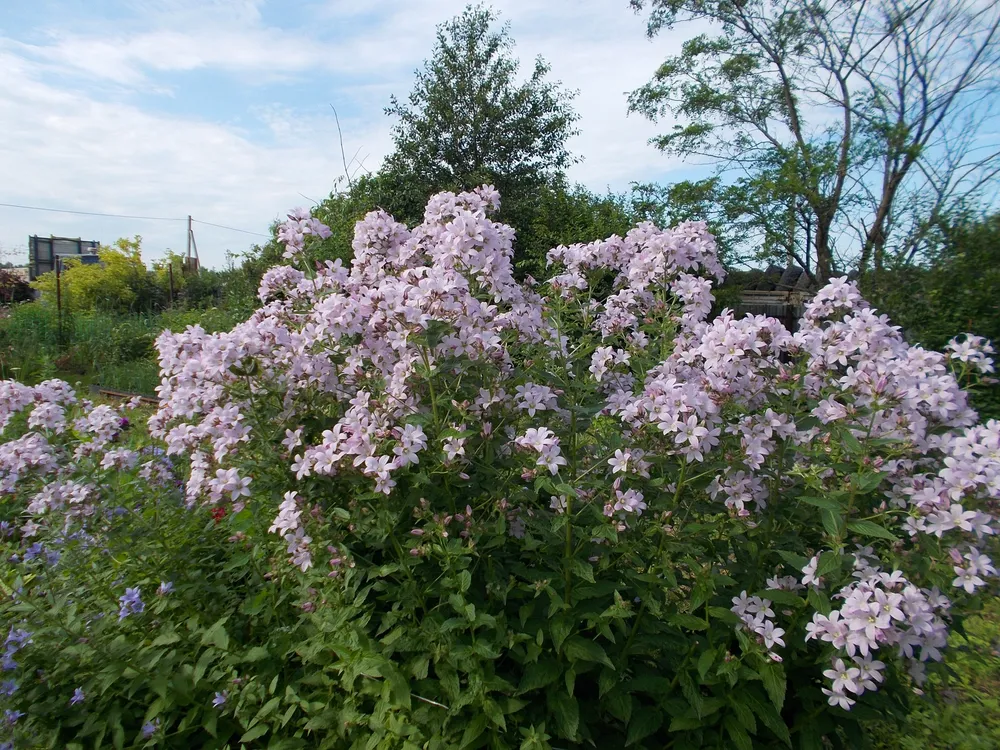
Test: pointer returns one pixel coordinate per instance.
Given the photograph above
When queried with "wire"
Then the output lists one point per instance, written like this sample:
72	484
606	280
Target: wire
232	229
89	213
128	216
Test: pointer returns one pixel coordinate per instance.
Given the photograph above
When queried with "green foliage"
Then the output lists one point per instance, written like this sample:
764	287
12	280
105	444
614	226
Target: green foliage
112	350
469	121
824	131
953	289
961	708
119	283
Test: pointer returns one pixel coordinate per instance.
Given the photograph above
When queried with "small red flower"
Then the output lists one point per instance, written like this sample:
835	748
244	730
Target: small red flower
218	513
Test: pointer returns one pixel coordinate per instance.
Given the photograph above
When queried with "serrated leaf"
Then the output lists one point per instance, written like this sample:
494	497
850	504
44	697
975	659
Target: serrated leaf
796	561
580	649
643	724
475	727
851	441
736	732
539	674
559	629
768	716
689	622
705	662
819	601
165	639
743	713
464	581
781	597
619	705
254	732
868	528
773	677
829	562
216	635
868	482
724	614
494	714
684	723
832	522
581	569
566	713
822	502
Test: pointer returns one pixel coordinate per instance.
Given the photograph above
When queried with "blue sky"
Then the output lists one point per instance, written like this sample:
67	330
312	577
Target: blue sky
221	108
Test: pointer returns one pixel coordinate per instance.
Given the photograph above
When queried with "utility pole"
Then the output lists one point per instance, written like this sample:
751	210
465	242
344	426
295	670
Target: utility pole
59	326
196	265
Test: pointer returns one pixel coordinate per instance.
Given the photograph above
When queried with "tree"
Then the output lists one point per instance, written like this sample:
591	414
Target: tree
840	126
468	120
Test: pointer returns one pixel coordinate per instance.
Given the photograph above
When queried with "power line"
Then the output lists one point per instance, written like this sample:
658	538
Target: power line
232	229
89	213
128	216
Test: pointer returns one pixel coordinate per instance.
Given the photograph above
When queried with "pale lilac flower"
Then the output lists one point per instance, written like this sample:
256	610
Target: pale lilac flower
131	604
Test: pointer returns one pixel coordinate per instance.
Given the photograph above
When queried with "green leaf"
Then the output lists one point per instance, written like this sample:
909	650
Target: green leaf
851	441
705	662
826	503
539	674
868	528
833	522
829	562
216	635
254	732
644	723
774	682
868	482
819	601
559	629
475	727
741	740
494	714
724	614
619	705
781	597
581	570
165	639
580	649
684	723
768	716
566	712
464	581
796	561
689	622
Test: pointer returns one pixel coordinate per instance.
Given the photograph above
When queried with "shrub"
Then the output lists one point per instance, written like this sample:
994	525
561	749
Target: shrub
500	515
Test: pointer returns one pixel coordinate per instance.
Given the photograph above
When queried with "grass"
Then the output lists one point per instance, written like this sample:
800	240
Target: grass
111	350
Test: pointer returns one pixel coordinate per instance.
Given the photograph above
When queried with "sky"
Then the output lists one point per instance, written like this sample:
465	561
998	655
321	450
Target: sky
221	109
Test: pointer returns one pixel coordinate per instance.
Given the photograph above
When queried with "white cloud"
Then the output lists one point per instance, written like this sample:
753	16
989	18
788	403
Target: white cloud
80	130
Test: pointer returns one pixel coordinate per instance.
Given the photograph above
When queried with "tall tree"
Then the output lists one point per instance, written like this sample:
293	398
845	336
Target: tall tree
470	120
837	126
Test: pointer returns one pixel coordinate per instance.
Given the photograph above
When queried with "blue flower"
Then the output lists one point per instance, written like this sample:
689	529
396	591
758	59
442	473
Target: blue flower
220	699
11	717
8	687
148	729
131	604
165	588
16	638
78	697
